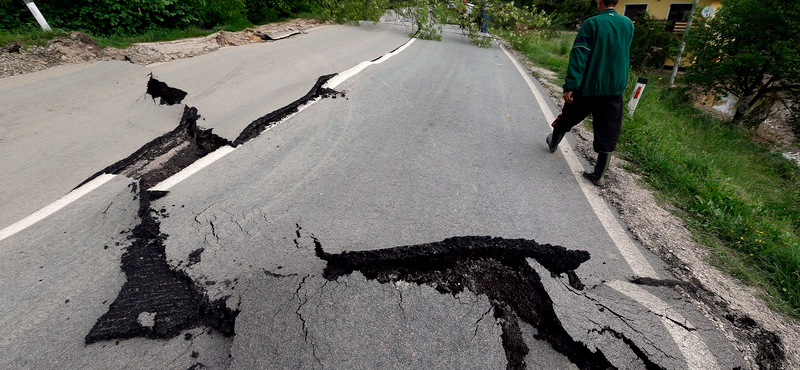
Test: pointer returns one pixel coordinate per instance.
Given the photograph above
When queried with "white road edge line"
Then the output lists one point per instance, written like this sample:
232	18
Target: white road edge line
632	255
55	206
692	347
193	168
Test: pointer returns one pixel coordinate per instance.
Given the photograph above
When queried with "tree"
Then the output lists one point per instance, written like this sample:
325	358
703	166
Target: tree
651	44
567	13
429	15
749	50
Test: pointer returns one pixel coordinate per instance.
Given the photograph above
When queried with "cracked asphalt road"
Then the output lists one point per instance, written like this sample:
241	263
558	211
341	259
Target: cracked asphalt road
434	149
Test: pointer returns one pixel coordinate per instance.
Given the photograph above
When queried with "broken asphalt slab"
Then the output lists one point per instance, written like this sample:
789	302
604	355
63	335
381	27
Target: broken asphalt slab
637	329
61	125
360	179
60	275
233	87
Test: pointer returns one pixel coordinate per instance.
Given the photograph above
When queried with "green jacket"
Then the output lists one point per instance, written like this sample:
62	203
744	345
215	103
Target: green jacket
600	56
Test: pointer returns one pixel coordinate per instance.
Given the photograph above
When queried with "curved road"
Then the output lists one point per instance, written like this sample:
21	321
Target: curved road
411	217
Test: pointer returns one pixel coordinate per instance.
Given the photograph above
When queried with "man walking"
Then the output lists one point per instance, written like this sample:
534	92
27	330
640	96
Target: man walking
596	78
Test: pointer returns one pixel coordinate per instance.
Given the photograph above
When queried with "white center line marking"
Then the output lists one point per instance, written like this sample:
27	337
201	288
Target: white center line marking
55	206
342	77
193	168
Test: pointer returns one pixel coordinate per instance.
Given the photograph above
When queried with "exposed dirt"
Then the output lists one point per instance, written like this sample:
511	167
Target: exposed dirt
767	340
78	48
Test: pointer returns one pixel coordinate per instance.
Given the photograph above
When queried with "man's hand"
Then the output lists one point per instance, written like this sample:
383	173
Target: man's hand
568	97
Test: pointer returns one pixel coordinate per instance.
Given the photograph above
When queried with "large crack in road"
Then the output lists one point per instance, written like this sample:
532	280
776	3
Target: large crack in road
494	267
188	142
156	301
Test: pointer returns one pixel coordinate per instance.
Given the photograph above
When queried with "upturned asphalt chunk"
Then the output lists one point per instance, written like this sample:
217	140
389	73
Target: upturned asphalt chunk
491	267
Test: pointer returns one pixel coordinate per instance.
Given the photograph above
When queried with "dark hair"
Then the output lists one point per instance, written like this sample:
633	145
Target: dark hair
610	2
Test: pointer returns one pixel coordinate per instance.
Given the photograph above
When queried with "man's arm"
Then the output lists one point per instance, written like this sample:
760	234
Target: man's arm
578	56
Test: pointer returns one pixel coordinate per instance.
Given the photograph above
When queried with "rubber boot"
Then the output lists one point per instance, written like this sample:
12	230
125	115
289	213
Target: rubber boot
554	139
596	177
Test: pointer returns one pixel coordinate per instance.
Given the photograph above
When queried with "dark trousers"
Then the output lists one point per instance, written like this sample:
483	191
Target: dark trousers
606	114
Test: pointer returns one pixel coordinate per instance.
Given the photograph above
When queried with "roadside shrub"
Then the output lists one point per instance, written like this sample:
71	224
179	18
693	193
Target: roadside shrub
217	12
105	17
14	14
651	45
266	11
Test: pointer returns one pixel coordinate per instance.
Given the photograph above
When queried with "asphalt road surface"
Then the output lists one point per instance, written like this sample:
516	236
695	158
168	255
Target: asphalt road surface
402	214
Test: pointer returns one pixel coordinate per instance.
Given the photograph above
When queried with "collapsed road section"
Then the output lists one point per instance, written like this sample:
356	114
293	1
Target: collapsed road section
188	142
494	267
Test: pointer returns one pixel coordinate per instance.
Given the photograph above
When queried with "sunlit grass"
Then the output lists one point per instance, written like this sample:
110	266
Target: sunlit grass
743	199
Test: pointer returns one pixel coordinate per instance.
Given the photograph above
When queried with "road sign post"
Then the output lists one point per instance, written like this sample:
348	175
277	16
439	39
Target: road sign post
38	15
637	94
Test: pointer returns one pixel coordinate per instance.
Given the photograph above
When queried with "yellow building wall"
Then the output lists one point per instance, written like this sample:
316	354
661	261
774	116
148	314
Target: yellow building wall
660	8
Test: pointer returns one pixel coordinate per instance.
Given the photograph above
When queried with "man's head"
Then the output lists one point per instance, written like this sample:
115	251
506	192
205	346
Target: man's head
606	4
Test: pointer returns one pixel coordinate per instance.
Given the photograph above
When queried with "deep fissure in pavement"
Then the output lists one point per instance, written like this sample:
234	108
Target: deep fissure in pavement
168	95
170	153
259	125
175	151
157	301
494	267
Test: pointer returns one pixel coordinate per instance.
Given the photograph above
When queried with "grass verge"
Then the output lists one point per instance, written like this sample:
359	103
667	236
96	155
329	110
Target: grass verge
28	36
740	200
549	50
35	36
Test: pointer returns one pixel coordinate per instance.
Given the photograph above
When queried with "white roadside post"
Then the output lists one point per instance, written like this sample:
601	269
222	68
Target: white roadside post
38	15
637	94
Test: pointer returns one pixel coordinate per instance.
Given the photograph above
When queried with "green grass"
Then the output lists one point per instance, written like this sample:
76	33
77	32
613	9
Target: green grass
740	200
121	42
547	50
29	36
35	36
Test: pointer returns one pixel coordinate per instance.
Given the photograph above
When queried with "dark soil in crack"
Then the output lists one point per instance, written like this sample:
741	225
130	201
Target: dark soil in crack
169	299
172	152
166	95
256	127
494	267
169	153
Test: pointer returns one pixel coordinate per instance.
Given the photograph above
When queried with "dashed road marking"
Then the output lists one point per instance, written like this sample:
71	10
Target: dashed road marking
55	206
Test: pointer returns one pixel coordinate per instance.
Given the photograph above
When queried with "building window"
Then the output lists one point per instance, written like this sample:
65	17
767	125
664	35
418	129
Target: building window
679	12
634	11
